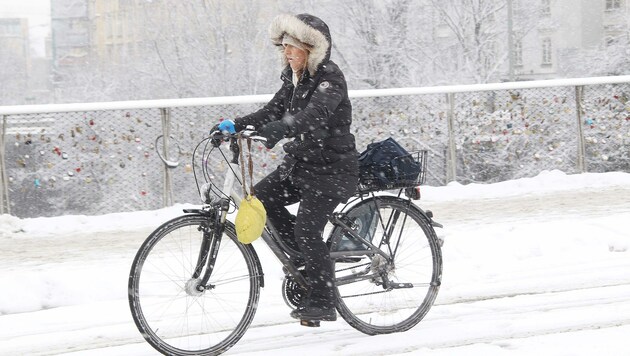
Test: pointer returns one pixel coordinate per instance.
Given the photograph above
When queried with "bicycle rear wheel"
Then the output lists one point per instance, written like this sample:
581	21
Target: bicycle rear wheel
170	312
377	296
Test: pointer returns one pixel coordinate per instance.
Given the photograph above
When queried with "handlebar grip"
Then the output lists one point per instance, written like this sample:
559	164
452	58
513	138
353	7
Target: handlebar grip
251	134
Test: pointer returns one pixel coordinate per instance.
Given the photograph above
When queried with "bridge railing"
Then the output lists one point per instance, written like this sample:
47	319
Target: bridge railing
95	158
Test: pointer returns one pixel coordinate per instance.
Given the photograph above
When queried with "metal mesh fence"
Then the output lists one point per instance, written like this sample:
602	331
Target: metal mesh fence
82	162
513	134
104	161
606	127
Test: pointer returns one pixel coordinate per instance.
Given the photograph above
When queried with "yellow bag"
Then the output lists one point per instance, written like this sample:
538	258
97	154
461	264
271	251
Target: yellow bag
250	220
251	217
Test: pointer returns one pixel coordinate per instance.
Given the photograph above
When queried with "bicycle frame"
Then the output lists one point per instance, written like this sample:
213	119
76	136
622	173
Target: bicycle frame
210	245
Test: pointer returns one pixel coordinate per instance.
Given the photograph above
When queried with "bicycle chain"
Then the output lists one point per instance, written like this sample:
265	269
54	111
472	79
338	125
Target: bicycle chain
349	268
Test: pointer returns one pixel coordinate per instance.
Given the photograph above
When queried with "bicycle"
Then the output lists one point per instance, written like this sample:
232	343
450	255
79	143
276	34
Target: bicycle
194	289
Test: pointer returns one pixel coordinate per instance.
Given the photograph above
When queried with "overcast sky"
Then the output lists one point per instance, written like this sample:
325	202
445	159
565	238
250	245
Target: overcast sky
38	14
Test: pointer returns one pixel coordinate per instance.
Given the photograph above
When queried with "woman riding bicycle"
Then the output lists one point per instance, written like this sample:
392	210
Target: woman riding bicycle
320	168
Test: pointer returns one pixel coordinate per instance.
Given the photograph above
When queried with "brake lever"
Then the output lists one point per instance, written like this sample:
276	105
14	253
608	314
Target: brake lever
253	135
258	138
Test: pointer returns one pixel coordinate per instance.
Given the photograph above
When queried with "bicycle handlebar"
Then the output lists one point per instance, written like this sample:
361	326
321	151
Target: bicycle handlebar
247	133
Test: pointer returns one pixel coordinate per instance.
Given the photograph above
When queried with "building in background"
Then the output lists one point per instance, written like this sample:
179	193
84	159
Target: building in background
574	38
550	39
71	44
15	60
39	78
195	49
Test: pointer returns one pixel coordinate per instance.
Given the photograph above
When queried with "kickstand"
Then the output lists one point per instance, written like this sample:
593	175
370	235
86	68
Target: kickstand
310	323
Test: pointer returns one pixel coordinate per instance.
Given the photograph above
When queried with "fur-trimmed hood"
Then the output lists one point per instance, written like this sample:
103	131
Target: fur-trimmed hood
307	29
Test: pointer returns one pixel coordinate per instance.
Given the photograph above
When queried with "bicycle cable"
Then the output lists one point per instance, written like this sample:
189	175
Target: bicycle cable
205	171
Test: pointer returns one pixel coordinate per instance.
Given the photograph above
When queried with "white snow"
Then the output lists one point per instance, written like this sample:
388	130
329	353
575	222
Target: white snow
531	266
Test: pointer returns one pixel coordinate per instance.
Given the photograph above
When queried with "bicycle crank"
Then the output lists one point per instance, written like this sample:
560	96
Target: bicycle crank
292	292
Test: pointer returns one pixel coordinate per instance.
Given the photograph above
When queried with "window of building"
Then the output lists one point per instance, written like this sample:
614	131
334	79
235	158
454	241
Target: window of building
613	5
10	27
546	51
518	53
545	7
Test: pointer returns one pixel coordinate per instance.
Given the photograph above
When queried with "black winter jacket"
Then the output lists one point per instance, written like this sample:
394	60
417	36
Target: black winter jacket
322	154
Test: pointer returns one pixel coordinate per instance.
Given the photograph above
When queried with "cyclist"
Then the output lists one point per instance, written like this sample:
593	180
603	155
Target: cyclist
320	168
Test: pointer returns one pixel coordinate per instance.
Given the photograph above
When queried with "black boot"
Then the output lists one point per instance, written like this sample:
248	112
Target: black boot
321	299
316	308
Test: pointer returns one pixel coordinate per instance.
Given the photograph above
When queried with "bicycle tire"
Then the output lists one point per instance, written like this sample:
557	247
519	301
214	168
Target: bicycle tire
178	320
367	305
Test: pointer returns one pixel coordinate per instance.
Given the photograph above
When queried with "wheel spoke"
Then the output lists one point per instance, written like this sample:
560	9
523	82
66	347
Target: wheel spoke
396	292
173	315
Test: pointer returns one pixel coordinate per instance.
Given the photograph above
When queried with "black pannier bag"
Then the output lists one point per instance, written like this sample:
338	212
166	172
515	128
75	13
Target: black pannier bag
387	165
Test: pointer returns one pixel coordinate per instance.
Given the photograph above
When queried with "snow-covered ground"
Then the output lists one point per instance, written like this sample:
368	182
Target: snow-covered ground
531	266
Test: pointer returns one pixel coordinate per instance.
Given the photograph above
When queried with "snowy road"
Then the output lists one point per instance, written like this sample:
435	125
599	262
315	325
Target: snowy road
527	271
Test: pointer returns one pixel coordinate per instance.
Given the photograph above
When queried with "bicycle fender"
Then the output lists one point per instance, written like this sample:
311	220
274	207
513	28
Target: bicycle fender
429	216
198	212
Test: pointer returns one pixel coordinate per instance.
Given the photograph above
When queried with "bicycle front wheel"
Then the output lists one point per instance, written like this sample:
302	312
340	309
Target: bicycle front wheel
171	312
377	294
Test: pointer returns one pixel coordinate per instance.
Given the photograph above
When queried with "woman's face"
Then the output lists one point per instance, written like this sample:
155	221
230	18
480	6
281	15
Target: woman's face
296	57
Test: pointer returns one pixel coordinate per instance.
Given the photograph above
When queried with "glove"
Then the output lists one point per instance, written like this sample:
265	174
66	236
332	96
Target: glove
274	132
222	127
227	125
216	142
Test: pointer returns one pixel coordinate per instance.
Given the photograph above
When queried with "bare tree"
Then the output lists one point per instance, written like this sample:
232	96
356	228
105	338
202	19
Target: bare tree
179	49
215	48
215	51
473	24
378	37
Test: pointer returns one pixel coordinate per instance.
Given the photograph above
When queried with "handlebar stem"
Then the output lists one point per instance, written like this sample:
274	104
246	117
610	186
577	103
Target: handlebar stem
235	150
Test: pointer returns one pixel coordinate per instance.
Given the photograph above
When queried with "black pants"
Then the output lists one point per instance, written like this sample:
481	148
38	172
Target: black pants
305	229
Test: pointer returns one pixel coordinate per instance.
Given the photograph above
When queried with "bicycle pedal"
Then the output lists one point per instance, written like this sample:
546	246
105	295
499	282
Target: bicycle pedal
310	323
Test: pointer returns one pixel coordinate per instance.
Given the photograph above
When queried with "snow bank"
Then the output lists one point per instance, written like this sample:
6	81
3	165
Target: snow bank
543	183
475	250
59	225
